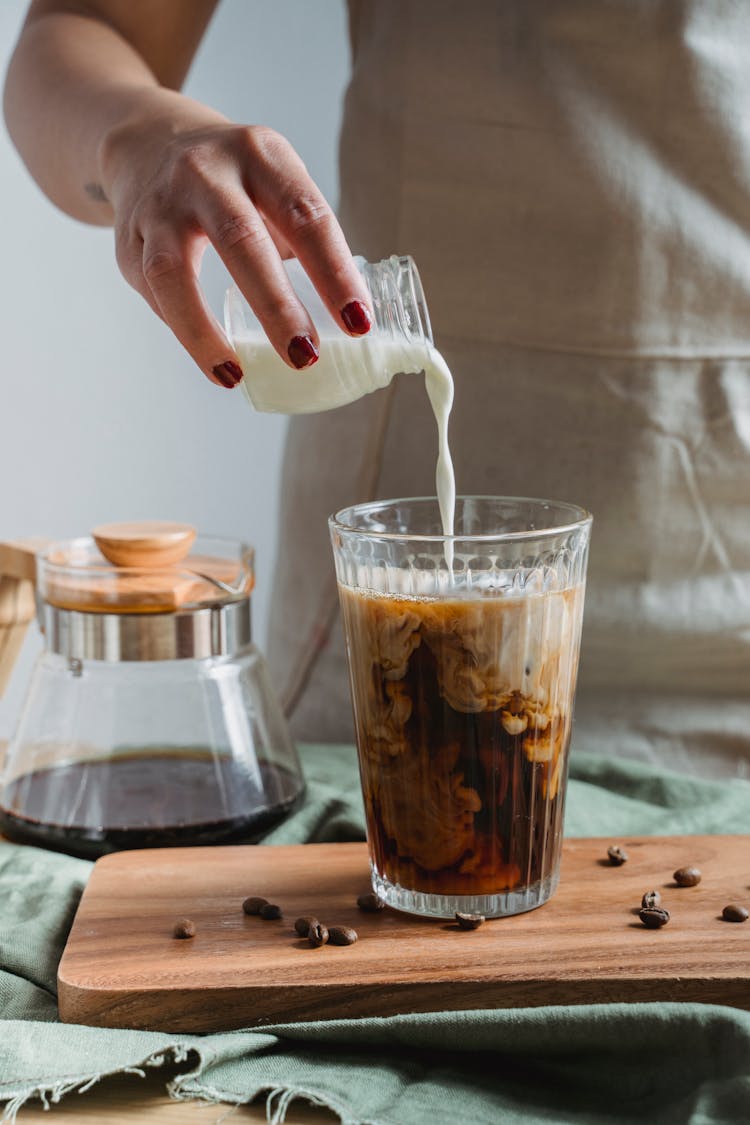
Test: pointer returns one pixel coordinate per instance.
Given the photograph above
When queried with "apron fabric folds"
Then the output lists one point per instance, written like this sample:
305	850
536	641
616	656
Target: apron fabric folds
573	181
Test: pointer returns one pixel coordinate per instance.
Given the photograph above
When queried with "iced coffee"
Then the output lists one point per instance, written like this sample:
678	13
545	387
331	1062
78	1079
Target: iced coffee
463	712
463	687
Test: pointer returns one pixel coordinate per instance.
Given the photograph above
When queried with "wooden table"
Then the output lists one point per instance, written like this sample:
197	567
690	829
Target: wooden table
126	1098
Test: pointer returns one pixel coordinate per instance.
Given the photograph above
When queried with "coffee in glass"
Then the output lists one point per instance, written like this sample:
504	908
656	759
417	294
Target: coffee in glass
463	682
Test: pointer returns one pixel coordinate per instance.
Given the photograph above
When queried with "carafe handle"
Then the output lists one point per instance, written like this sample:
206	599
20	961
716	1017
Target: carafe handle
17	601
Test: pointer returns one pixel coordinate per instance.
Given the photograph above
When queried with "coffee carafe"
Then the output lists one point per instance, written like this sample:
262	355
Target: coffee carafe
150	719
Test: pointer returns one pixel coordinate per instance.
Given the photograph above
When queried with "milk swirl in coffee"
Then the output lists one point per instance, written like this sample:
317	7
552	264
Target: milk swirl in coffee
463	713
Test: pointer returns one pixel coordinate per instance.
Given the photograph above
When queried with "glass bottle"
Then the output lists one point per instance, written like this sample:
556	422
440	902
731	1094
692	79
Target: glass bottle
400	340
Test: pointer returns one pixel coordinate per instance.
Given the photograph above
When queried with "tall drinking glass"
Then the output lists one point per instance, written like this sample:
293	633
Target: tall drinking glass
463	677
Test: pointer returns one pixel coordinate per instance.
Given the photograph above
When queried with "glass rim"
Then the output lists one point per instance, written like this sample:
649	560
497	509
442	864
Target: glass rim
583	519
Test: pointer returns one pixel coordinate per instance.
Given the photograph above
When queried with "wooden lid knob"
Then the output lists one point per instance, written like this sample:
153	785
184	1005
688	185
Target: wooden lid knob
147	543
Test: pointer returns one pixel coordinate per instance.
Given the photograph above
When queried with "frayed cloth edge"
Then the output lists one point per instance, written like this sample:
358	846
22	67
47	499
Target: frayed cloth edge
278	1100
51	1093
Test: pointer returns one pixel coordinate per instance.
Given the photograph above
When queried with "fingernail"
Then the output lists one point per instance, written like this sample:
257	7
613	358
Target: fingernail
229	374
302	352
356	318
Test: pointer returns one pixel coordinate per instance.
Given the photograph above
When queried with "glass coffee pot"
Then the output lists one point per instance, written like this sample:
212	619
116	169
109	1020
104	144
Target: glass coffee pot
150	720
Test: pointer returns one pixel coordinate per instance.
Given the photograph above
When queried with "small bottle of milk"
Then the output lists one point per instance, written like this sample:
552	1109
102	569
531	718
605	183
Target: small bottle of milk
400	340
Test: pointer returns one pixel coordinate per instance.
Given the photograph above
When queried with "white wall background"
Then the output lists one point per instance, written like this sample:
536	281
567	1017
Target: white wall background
102	415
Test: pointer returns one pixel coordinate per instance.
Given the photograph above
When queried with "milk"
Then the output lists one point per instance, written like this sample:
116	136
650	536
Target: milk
439	383
349	368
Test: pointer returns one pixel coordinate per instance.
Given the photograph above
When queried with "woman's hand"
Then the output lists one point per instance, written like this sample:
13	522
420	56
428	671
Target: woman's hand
180	180
92	103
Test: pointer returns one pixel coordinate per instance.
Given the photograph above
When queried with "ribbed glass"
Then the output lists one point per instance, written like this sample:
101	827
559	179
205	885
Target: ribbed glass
463	681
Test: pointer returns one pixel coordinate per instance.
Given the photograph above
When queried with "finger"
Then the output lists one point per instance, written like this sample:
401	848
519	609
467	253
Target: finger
297	209
170	273
129	255
284	249
247	249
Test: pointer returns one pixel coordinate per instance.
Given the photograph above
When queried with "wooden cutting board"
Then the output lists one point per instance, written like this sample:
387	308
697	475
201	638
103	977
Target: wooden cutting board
122	968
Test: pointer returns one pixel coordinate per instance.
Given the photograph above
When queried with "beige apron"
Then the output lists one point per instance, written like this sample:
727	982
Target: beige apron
573	180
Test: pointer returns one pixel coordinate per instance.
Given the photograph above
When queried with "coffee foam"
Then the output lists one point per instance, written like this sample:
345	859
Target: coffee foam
421	583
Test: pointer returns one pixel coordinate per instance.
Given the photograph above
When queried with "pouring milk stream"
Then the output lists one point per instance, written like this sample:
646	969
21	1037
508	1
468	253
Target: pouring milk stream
348	368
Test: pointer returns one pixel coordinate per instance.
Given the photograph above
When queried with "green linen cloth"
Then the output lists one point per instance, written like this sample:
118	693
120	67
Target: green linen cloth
621	1063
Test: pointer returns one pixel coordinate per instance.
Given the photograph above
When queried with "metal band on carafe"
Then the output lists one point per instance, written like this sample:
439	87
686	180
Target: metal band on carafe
223	630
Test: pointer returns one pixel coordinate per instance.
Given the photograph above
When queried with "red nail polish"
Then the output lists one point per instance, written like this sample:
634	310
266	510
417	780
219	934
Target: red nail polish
302	352
229	374
356	318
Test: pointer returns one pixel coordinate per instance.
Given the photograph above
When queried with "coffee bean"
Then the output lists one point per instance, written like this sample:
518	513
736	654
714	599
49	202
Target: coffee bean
617	855
317	935
469	921
185	928
687	877
650	900
370	904
734	913
270	911
254	905
654	917
302	925
342	935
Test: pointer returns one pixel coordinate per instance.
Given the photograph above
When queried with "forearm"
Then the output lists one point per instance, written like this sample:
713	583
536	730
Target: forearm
92	103
73	83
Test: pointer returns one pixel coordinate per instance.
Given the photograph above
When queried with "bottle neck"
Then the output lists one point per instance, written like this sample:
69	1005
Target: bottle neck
398	299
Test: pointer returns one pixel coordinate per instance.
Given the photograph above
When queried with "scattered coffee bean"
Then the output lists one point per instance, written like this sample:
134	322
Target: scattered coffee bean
317	934
654	917
617	855
342	935
734	913
650	900
185	928
302	925
270	911
687	877
254	905
370	904
469	921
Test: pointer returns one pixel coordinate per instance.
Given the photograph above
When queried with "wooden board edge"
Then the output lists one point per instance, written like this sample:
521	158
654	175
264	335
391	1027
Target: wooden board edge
127	857
199	1010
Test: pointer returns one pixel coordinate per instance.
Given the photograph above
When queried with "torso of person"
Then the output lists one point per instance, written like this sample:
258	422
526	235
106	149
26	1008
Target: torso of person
573	181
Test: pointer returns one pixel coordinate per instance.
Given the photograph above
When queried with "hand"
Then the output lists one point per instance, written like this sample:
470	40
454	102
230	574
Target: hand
175	186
